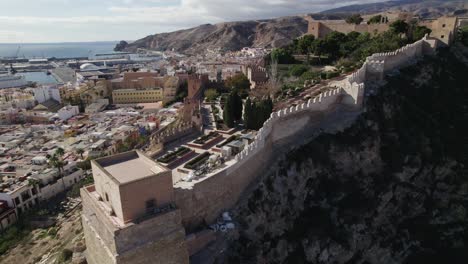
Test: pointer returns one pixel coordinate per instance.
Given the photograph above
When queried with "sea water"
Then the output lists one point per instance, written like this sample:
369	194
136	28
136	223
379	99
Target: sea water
57	50
39	77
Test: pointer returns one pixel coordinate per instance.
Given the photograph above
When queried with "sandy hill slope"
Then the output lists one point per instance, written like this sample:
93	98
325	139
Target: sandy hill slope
227	36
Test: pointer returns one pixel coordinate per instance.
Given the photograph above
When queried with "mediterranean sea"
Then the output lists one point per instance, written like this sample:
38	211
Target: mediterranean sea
58	50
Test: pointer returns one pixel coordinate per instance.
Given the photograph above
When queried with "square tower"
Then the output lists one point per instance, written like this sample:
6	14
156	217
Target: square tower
129	214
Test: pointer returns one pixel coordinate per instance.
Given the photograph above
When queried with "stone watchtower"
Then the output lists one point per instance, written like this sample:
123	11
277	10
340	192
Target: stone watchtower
129	214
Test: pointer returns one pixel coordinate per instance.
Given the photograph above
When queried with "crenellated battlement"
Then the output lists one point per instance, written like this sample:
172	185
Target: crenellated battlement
334	109
165	134
348	92
320	103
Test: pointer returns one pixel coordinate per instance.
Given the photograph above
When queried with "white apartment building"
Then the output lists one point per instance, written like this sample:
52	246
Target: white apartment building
68	112
44	93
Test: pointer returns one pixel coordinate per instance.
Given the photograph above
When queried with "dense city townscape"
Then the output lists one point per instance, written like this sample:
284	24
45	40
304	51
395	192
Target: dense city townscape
243	142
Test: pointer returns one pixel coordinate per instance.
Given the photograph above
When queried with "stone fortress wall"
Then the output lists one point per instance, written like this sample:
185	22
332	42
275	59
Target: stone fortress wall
322	28
204	200
163	239
443	28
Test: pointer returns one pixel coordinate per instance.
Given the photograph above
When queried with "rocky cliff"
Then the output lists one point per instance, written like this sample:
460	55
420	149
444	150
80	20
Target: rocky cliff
393	188
226	36
422	8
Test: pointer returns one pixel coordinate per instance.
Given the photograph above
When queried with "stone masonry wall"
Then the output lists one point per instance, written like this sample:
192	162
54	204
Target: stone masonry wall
98	232
159	240
203	202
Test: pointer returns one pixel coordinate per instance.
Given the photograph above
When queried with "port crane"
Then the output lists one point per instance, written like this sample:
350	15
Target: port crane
17	52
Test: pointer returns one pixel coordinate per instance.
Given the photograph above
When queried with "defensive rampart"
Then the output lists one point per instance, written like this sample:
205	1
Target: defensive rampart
335	109
320	29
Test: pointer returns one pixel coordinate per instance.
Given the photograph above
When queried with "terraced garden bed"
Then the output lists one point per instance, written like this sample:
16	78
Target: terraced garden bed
172	156
229	140
195	163
204	139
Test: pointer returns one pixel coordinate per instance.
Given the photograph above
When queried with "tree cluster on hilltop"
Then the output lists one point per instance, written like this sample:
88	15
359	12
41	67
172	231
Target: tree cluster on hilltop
354	19
354	45
377	20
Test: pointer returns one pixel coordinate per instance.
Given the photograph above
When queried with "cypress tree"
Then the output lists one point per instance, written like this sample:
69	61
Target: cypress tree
228	113
237	105
248	113
263	113
257	112
256	115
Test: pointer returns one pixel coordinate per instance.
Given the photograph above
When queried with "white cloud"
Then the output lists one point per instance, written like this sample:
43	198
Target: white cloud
153	16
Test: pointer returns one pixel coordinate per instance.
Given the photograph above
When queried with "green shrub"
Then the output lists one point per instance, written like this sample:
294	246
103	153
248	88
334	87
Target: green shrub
375	19
333	74
354	19
12	236
52	232
75	190
464	35
310	75
65	255
419	32
298	70
211	95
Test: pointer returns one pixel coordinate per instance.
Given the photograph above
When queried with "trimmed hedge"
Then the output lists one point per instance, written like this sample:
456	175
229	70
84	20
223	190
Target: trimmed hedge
196	162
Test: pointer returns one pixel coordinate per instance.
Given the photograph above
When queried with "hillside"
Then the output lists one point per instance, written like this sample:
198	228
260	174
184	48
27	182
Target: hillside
226	36
423	8
276	32
390	189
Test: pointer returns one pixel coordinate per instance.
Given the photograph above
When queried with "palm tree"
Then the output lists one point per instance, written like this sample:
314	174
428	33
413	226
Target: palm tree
57	162
59	152
53	160
34	183
80	152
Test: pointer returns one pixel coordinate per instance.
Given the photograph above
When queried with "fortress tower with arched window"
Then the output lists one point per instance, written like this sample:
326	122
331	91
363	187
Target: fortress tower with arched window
129	215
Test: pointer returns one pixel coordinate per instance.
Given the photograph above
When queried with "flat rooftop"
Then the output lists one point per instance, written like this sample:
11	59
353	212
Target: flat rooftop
130	166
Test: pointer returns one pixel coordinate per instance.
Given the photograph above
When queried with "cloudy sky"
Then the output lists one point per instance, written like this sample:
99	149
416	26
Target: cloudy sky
27	21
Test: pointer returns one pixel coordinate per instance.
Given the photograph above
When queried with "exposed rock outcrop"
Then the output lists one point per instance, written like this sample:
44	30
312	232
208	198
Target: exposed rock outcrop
121	45
391	189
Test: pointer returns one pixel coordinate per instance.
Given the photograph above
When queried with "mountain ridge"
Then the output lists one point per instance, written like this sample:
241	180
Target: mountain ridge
226	36
276	32
422	8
